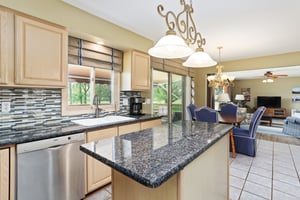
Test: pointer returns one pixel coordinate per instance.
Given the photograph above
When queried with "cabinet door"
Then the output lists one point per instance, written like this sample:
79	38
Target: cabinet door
150	124
128	128
4	174
98	174
3	47
140	77
41	52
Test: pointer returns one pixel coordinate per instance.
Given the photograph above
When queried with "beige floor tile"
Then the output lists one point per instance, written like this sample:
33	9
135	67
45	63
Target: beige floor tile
238	173
261	180
234	193
262	164
239	165
282	163
286	178
249	196
287	188
261	171
236	182
257	189
99	195
278	195
284	170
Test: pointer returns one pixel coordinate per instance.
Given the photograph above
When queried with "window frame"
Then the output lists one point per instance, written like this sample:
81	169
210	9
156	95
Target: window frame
90	109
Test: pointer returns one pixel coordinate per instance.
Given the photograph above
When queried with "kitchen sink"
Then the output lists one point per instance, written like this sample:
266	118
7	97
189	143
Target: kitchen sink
102	120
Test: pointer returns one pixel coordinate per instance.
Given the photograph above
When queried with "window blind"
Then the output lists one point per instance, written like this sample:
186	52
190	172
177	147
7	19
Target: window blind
82	52
172	65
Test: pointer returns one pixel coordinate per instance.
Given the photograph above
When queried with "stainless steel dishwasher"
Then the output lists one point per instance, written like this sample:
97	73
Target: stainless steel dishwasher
51	169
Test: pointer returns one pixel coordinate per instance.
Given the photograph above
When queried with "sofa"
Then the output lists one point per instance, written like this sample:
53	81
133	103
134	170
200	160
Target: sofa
291	126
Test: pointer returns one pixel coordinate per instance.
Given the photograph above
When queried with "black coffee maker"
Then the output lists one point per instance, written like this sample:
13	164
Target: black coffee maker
135	105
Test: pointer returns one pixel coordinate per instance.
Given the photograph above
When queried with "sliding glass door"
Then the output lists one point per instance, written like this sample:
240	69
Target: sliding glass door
177	96
168	95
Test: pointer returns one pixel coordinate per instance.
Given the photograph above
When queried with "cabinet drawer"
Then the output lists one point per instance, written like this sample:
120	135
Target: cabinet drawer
128	128
150	124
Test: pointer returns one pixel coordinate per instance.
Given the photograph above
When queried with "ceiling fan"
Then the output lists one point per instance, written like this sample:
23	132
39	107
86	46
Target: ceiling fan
269	74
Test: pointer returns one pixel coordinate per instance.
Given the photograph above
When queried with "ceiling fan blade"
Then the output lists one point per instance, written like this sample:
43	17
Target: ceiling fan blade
269	74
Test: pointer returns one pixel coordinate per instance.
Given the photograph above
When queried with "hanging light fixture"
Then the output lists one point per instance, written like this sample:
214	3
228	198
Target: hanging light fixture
220	79
174	46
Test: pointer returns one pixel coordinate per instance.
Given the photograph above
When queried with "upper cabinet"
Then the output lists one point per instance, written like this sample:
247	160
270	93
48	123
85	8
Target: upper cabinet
40	54
33	52
136	71
4	46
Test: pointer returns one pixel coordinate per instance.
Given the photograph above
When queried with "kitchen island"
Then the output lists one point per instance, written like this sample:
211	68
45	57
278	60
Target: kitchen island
184	161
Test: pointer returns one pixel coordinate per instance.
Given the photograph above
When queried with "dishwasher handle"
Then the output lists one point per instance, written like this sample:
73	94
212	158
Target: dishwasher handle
48	143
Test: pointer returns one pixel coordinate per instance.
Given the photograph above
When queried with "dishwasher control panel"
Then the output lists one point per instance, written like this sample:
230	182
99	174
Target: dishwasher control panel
47	143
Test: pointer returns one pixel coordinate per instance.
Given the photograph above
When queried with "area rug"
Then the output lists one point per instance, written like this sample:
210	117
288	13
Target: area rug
269	130
274	134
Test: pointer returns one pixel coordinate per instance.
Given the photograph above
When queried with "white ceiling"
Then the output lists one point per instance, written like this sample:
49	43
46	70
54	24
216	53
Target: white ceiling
245	29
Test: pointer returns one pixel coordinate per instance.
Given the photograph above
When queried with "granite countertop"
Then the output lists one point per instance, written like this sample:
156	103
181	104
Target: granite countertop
65	127
152	156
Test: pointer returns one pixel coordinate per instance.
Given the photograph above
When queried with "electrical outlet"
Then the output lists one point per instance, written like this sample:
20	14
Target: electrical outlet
125	102
5	107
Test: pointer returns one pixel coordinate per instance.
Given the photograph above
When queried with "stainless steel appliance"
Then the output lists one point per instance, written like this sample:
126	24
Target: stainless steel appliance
136	105
51	169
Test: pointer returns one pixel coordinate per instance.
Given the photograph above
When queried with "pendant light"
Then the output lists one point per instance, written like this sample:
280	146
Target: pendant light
174	46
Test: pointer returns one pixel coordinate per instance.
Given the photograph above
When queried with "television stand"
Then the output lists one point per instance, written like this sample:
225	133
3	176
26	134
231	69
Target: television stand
266	118
275	112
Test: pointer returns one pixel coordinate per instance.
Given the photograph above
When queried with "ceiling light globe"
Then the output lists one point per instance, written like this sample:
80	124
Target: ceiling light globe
199	59
170	46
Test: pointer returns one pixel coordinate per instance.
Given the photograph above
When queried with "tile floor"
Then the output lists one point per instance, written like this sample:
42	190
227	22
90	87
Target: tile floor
274	174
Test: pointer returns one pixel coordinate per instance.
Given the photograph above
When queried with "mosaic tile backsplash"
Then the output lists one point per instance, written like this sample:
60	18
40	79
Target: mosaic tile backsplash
32	107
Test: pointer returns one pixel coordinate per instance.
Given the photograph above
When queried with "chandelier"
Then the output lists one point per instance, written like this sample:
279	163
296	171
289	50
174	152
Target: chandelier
220	80
173	46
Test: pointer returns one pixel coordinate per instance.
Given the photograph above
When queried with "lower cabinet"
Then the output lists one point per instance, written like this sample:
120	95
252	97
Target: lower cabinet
98	174
128	128
7	173
150	124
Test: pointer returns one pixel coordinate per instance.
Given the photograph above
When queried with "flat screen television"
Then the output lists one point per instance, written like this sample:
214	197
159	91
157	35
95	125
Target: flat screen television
269	101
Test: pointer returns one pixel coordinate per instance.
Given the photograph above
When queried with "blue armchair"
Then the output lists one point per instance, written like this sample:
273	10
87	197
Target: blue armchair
206	114
245	139
191	110
229	109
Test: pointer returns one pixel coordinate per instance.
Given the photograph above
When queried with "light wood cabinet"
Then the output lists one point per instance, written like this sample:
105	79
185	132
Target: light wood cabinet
97	173
128	128
7	173
6	38
4	174
136	71
150	124
40	54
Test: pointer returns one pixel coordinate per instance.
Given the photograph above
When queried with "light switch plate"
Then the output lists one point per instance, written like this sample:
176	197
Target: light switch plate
5	107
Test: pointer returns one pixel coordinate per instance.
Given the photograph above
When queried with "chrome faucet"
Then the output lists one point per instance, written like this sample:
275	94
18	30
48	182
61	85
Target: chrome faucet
96	102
